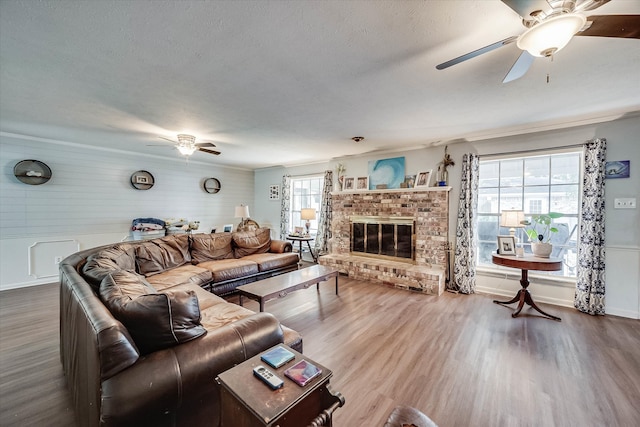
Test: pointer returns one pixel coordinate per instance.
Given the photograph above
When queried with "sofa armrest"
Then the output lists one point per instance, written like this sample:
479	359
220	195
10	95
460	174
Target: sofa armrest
158	385
280	246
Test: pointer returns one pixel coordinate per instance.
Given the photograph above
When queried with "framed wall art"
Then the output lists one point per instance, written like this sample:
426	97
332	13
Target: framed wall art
274	192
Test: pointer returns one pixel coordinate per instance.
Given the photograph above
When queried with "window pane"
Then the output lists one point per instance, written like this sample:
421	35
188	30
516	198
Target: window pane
487	232
489	174
564	198
565	169
536	171
488	200
511	197
536	199
510	173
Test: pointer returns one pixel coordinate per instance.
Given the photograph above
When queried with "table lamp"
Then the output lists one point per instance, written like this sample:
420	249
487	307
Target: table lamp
308	214
242	211
513	219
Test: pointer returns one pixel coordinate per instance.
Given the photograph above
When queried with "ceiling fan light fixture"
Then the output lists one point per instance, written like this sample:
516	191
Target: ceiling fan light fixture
187	150
550	36
186	144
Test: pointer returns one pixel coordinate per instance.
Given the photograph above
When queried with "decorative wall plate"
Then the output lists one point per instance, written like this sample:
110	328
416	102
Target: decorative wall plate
211	185
32	172
142	180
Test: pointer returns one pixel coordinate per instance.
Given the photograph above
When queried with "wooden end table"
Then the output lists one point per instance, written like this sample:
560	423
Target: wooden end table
245	401
301	239
282	285
526	263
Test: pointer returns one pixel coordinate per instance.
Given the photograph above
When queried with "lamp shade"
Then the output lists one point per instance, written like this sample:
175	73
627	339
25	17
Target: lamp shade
242	211
512	218
308	213
548	37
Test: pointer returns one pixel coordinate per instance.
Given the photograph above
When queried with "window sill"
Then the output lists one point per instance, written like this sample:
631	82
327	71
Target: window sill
510	273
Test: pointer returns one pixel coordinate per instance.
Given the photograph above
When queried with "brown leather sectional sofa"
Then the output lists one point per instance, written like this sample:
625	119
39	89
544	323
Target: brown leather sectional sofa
143	336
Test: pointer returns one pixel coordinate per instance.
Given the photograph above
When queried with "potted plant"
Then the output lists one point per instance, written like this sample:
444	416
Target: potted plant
540	233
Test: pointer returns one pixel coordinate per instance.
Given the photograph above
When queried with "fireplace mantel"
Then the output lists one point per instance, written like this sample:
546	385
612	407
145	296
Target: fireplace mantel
391	190
429	206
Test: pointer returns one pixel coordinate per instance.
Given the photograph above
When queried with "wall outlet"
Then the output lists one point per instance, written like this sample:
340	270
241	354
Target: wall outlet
57	260
626	203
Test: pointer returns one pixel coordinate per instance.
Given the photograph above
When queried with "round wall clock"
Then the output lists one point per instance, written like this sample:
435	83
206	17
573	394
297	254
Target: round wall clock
32	172
142	180
211	185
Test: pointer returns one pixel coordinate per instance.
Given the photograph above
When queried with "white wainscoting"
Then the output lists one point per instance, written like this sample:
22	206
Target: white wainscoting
622	284
90	201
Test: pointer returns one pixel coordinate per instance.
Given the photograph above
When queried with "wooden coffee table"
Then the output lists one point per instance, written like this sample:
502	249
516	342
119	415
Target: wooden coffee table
247	402
282	285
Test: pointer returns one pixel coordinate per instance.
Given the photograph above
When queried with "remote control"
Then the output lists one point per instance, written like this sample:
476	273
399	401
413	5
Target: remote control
268	377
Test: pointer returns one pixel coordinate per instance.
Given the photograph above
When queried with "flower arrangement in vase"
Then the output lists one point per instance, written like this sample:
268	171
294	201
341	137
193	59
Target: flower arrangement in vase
340	170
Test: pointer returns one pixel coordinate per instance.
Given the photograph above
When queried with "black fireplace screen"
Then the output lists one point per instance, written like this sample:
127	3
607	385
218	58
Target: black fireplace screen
388	239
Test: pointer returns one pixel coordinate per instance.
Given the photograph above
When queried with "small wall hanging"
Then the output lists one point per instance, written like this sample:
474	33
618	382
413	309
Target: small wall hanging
142	180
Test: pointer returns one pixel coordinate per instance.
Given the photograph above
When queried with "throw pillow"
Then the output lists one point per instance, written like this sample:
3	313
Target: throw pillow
252	242
209	247
154	320
157	255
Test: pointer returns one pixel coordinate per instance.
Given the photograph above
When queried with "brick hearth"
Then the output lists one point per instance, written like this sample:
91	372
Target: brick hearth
429	207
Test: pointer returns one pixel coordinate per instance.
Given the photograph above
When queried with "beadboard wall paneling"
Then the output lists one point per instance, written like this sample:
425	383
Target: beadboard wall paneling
90	195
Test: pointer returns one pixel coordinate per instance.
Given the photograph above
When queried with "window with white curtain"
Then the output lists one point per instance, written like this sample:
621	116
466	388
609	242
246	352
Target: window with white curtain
306	192
535	184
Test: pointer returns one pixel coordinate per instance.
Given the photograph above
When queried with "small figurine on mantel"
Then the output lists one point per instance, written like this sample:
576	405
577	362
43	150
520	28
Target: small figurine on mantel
443	175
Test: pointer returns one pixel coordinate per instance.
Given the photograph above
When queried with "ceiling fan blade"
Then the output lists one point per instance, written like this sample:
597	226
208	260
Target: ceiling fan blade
205	144
205	150
590	5
525	7
520	67
623	26
475	53
167	139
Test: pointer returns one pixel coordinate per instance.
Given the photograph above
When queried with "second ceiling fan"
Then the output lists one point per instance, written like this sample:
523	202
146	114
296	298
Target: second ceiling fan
551	24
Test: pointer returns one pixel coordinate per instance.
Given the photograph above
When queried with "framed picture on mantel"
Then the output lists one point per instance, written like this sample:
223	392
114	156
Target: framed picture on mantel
348	183
423	179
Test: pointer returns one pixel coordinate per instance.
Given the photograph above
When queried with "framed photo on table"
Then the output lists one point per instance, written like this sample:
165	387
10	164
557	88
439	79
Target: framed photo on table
506	245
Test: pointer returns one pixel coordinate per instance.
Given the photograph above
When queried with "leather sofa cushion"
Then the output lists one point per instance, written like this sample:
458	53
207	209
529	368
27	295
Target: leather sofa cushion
208	247
157	255
185	274
251	242
118	257
227	269
269	261
154	320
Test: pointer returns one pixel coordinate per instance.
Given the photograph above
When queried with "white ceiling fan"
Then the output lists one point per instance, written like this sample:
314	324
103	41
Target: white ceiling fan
551	24
187	145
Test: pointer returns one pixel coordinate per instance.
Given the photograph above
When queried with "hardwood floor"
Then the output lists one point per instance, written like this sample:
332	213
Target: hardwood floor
460	359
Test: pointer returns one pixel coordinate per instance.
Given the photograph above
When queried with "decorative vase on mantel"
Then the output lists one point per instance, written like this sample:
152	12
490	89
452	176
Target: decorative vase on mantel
541	250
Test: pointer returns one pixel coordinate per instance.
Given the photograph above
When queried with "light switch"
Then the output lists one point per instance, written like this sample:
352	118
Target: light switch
626	203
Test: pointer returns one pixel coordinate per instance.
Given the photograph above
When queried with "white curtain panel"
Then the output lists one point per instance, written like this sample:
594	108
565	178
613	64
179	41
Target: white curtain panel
285	206
324	216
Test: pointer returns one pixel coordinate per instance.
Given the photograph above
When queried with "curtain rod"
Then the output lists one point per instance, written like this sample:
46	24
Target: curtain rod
535	150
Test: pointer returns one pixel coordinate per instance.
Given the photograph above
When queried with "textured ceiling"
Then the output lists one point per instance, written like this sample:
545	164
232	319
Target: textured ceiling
284	82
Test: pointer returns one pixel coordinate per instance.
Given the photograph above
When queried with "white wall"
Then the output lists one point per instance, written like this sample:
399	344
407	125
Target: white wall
622	226
89	202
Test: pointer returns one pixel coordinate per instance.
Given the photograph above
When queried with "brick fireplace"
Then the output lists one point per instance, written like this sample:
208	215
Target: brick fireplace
428	211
